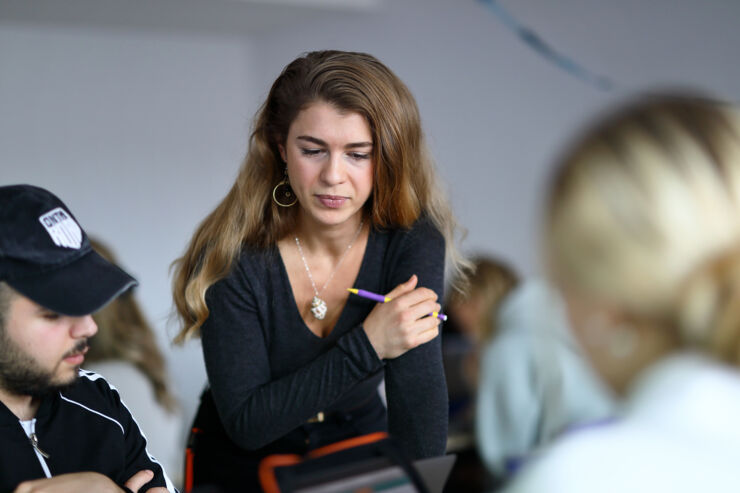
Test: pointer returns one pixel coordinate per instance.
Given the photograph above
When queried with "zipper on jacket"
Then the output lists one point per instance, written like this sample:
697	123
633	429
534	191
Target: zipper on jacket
35	442
30	428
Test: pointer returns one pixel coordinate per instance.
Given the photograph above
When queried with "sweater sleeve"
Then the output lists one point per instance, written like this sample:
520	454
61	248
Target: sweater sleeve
415	382
255	407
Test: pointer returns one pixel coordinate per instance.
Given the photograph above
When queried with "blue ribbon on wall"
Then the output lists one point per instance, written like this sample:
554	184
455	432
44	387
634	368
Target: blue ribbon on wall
539	45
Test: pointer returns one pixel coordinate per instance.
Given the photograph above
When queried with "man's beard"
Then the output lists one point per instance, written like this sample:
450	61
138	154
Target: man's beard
20	374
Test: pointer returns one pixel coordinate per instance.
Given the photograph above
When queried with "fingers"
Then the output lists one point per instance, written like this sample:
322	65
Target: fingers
427	335
25	487
404	287
139	479
420	332
407	294
415	325
411	297
421	309
403	323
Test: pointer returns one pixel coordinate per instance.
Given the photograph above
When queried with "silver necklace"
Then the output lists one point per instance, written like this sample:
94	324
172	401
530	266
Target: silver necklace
318	306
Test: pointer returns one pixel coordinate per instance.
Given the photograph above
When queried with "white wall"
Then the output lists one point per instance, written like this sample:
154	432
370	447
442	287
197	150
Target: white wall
139	121
138	133
496	113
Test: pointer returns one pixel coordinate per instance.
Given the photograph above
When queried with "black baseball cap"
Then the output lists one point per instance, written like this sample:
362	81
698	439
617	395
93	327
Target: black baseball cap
45	255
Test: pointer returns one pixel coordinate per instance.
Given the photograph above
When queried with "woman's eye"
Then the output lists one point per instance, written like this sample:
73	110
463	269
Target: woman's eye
359	155
50	315
310	152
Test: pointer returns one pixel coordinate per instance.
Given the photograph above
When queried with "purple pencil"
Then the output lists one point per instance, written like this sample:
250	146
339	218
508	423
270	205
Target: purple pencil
384	299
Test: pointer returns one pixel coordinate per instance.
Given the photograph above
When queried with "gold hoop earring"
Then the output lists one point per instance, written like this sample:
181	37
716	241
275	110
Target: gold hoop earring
283	194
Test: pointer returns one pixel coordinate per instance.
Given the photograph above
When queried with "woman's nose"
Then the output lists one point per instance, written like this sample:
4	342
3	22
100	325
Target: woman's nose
333	170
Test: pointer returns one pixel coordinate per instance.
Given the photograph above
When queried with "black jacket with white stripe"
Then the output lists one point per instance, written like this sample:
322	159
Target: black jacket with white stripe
84	428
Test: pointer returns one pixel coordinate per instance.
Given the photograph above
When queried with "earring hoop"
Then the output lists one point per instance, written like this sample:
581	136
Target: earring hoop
283	195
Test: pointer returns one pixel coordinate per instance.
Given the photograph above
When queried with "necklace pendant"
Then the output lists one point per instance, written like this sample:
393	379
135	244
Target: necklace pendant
318	308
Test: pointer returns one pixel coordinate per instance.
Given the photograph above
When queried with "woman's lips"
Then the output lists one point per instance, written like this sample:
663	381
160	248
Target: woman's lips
331	201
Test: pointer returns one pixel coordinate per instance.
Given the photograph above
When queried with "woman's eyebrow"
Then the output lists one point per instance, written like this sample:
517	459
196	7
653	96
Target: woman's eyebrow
358	144
320	142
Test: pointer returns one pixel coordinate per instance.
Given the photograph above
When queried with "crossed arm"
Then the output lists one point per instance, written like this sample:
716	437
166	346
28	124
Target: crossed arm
87	481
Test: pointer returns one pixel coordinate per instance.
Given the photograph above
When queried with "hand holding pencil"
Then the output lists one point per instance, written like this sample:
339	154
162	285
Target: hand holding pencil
401	321
385	299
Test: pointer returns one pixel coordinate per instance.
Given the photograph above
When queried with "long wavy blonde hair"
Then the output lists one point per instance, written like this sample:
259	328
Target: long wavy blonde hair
644	215
404	183
125	335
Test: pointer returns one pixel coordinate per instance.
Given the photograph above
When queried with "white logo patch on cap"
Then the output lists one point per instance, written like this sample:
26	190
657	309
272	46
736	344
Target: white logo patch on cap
64	231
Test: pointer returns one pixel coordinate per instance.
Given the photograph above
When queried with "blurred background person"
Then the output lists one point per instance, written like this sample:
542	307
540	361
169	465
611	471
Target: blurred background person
643	237
535	382
471	322
126	353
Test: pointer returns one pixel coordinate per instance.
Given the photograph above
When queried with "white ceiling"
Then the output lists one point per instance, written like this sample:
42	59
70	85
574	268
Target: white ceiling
239	17
339	4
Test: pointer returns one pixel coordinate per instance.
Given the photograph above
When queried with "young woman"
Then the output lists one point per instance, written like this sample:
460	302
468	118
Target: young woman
337	191
643	237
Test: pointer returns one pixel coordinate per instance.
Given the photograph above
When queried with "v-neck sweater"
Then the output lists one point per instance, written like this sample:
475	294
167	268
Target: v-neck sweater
269	373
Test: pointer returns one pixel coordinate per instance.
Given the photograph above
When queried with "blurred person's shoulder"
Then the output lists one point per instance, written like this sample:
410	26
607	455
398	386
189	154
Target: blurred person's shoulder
534	308
621	457
596	459
676	432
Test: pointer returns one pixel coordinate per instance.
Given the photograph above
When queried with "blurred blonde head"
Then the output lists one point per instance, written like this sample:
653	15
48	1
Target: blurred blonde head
644	217
125	335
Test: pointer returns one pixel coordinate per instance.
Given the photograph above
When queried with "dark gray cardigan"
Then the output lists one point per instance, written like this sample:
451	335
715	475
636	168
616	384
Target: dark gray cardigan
269	373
